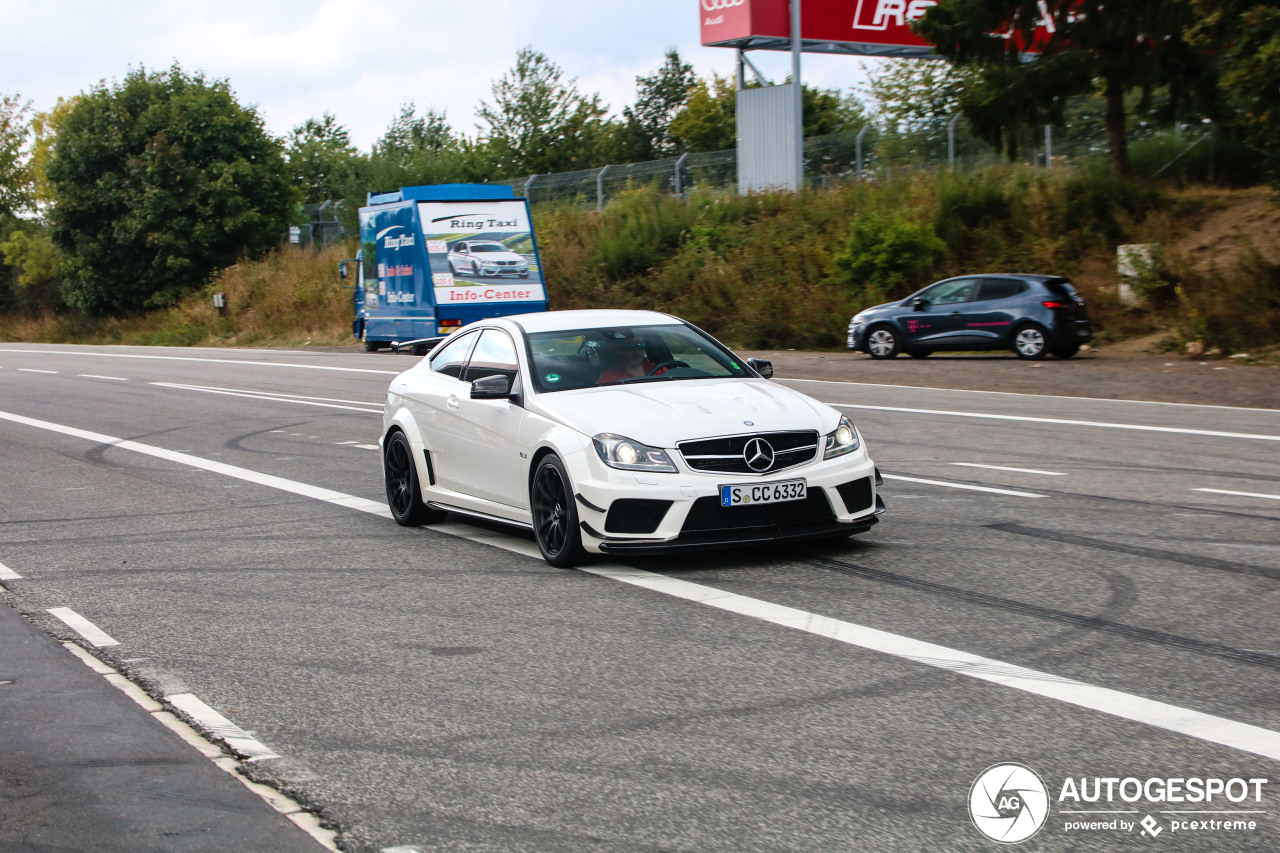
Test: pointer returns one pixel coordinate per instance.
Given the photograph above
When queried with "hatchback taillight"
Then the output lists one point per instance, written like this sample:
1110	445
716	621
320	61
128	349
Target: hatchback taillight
1052	304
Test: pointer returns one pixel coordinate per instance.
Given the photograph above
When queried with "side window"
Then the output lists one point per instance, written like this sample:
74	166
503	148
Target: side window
950	292
494	355
999	288
451	358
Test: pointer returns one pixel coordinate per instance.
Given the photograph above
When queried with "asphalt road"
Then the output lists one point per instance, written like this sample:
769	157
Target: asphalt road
1085	588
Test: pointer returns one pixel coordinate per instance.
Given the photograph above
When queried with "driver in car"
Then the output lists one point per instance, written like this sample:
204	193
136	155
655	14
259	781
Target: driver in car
628	360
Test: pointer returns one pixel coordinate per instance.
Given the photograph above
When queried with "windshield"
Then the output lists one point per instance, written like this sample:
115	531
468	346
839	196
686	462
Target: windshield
587	358
488	247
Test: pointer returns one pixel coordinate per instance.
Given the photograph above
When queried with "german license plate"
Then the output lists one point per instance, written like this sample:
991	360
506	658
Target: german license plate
763	493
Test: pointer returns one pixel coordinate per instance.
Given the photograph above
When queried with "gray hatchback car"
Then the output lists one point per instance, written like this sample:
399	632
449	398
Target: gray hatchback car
1033	315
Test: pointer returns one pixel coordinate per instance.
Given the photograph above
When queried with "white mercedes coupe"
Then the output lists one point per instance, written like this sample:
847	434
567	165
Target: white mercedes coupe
618	432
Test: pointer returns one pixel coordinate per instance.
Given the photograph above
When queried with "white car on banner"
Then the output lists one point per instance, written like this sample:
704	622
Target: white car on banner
618	432
486	258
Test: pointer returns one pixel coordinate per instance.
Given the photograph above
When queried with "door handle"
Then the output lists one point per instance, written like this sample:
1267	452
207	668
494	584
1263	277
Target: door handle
452	402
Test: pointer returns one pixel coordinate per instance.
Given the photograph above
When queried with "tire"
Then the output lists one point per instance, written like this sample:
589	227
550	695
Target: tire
372	346
919	353
555	515
475	269
1065	351
1031	341
404	495
883	342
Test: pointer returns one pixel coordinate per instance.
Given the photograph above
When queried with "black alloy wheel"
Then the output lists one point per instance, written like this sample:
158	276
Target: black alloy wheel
1031	341
555	517
883	342
404	495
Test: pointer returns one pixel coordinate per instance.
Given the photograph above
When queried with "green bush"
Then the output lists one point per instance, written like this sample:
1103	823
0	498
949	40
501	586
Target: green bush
886	255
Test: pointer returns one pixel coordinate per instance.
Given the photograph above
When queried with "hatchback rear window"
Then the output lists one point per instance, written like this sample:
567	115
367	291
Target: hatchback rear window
1061	287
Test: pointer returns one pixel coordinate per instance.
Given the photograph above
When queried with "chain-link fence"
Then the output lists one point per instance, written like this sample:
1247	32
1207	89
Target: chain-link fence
866	153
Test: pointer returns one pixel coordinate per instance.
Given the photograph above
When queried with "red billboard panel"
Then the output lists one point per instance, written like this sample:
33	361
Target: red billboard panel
842	26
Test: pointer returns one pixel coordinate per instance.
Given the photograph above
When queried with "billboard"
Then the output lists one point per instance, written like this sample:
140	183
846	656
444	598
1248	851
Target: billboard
865	27
481	252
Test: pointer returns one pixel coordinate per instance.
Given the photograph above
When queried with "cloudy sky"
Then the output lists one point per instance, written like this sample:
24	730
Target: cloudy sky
361	59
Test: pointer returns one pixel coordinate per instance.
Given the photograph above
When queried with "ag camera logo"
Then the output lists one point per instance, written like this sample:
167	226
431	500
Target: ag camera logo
1009	803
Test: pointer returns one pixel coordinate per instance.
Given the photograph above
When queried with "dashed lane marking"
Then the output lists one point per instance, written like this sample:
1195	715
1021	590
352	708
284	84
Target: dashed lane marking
357	405
1239	494
8	574
965	486
220	727
92	634
1005	468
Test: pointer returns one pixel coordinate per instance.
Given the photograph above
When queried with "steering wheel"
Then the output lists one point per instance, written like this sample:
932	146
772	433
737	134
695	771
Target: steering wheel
665	365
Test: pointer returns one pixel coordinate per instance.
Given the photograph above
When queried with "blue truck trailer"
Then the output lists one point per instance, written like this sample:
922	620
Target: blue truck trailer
435	258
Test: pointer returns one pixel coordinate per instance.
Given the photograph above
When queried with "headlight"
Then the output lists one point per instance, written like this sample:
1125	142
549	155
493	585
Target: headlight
843	440
858	320
618	452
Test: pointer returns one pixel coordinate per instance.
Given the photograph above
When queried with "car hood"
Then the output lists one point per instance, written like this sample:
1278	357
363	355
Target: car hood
664	412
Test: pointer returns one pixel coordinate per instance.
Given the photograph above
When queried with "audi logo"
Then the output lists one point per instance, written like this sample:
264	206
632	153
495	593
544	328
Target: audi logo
716	5
758	454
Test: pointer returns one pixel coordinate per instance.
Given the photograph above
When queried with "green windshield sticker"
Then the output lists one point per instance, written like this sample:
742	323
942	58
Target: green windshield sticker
734	365
553	377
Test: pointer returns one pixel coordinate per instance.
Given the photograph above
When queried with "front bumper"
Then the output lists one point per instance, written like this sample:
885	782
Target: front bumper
857	337
625	512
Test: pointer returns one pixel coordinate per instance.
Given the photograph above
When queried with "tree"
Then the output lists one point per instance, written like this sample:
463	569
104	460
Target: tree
539	122
15	176
709	120
1121	45
321	157
157	181
659	97
1245	37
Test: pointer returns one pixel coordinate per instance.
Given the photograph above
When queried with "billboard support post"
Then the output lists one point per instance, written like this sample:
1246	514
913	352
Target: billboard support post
799	98
858	147
1048	146
679	183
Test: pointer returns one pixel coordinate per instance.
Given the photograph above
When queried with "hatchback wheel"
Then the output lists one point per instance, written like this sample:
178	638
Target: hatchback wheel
882	342
404	495
555	517
1031	341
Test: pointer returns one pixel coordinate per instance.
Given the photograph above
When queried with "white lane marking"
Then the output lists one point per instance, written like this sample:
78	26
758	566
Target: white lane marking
1019	394
8	574
94	635
207	360
33	370
1239	494
368	447
1241	736
1066	421
1206	727
1016	494
1003	468
278	801
307	491
96	376
220	727
266	395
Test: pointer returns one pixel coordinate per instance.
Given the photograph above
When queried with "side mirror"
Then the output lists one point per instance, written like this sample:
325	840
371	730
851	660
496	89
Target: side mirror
496	387
342	271
919	304
762	366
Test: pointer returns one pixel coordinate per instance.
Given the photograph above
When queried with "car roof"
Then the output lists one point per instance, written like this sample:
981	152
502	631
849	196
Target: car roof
555	321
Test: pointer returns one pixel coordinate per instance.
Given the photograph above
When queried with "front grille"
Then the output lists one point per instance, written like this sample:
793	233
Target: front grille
707	516
726	455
